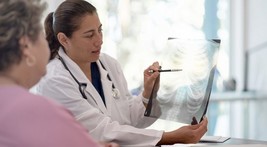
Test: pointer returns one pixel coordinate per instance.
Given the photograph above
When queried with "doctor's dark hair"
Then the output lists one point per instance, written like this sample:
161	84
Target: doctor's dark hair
18	18
66	19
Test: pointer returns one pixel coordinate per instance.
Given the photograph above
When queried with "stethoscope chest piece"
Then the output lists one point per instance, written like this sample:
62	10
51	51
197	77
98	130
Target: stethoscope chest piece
115	93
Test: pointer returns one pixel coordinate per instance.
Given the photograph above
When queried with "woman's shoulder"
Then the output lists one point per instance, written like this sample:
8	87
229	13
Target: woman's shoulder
38	115
24	102
27	100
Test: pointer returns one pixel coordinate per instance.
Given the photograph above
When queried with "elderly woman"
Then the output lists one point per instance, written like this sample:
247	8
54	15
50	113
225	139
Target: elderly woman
28	120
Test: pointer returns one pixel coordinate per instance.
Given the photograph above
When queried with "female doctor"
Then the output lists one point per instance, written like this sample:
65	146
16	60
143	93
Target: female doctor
92	86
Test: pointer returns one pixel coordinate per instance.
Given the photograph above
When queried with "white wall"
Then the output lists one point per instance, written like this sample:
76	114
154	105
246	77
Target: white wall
52	4
256	44
248	34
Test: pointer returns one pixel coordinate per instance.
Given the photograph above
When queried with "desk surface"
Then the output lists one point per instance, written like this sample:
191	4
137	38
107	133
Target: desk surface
243	141
231	141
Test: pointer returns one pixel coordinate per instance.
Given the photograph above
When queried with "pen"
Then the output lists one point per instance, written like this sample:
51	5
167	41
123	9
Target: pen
165	70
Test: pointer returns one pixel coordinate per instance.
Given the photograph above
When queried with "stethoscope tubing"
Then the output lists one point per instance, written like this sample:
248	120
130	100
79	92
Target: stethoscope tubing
115	91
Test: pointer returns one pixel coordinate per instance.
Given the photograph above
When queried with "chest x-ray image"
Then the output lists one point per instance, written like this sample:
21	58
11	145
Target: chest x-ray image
185	94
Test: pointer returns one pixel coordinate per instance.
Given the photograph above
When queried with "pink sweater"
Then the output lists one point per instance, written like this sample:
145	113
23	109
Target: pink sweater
28	120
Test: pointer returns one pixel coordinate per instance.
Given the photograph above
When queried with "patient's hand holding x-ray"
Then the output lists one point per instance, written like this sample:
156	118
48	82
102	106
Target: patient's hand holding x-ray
184	94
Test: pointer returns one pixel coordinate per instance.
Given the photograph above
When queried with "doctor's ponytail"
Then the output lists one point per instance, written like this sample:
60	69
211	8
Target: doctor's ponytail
51	36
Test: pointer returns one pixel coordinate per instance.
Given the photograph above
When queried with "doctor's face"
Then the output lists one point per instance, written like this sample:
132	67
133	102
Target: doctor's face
85	43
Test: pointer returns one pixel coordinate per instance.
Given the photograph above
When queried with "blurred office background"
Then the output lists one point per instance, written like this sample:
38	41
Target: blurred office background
135	32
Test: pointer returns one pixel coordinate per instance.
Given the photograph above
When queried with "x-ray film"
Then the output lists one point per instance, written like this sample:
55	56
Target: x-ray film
185	94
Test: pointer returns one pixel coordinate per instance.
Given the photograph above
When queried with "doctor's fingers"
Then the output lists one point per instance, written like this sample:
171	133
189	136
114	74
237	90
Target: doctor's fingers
152	79
152	68
201	128
203	125
110	144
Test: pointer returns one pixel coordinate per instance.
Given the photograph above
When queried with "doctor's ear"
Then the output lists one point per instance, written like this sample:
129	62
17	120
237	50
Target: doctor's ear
63	39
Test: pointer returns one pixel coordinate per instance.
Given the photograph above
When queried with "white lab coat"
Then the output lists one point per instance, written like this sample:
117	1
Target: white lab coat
119	121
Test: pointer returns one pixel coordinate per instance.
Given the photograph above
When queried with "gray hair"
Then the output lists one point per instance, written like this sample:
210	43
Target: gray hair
18	18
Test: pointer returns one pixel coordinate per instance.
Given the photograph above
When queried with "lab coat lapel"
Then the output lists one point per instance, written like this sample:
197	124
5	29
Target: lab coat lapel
96	97
106	85
79	75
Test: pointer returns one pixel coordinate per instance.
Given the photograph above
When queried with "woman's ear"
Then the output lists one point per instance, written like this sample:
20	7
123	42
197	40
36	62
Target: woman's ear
23	42
27	51
63	39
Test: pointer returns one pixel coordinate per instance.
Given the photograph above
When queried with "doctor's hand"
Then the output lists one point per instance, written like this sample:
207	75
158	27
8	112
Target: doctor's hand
185	134
151	78
110	144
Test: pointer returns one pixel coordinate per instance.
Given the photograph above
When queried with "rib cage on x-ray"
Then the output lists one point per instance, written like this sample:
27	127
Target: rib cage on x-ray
184	94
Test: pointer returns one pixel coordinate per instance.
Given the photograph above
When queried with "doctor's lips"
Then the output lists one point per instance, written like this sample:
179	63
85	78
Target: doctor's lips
97	51
165	70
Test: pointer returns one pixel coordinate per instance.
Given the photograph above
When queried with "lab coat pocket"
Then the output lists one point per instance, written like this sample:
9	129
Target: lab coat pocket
120	110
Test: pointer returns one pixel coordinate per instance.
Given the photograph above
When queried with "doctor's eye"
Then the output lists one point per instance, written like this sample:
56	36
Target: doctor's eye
100	30
89	36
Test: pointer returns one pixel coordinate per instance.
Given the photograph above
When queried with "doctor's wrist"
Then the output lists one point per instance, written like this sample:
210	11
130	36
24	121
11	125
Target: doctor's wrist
145	94
145	100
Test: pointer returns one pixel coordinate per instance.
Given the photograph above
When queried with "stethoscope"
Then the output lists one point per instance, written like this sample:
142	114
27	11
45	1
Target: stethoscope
82	86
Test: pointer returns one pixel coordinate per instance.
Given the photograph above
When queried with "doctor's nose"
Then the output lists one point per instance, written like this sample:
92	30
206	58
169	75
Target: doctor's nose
98	39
